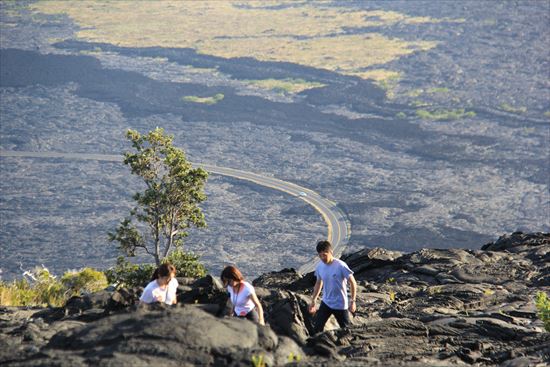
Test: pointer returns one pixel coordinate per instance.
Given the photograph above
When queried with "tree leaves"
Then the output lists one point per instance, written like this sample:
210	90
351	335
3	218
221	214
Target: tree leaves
169	204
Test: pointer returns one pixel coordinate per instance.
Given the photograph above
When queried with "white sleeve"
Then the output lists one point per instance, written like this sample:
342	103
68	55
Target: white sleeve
147	295
171	291
250	290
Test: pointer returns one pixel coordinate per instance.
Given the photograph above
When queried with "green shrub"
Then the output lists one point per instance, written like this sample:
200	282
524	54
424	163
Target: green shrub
38	289
543	307
17	293
187	264
400	115
86	280
127	274
49	290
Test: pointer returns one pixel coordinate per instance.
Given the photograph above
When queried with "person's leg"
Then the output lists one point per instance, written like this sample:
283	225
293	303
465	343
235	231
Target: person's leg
321	317
253	316
342	316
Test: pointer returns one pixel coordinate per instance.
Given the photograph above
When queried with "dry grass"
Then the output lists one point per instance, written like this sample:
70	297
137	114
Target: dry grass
289	86
300	33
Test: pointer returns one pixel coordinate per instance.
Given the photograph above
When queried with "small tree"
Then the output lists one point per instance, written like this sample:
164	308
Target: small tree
169	204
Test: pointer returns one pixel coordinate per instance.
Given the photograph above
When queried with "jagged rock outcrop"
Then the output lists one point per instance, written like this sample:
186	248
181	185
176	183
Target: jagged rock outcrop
441	307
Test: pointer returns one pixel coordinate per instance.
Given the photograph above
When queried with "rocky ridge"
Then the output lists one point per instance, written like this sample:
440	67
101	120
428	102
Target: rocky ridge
431	307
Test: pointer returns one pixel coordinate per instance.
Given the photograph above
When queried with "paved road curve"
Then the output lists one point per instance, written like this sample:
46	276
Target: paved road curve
337	223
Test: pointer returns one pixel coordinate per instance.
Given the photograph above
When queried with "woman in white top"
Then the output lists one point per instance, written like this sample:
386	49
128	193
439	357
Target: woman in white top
243	297
161	288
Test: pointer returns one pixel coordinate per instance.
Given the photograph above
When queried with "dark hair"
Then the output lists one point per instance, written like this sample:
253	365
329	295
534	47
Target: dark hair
323	246
163	270
231	273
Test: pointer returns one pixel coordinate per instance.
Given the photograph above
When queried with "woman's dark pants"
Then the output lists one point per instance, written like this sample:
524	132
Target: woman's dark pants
252	316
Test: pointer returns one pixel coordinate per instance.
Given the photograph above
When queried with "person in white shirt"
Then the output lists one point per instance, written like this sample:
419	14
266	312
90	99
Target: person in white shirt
158	290
332	276
243	297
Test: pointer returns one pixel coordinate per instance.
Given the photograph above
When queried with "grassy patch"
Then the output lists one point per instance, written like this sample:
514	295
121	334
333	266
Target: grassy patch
195	70
437	90
379	75
419	103
312	34
444	115
286	86
415	93
508	108
388	82
205	100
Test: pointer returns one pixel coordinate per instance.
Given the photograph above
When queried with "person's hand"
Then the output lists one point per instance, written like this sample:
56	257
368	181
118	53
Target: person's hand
353	307
262	322
158	295
312	308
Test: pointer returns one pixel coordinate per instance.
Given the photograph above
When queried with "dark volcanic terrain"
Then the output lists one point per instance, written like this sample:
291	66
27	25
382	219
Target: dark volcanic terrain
433	307
405	182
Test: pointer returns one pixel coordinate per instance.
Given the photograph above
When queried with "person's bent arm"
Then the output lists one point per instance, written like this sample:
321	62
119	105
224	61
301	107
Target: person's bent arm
172	297
353	291
258	305
316	291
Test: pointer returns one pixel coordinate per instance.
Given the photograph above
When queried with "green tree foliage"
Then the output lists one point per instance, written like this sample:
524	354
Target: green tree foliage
127	274
186	264
169	205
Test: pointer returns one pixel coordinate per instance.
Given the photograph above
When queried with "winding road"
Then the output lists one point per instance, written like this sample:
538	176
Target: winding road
337	222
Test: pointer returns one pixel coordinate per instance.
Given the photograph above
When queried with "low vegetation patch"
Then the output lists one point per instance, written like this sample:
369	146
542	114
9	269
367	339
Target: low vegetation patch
388	81
39	287
205	100
438	90
306	33
543	307
286	86
87	280
419	103
445	115
127	274
509	108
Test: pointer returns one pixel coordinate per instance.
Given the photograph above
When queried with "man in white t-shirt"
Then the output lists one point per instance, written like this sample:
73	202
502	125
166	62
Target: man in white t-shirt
332	276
